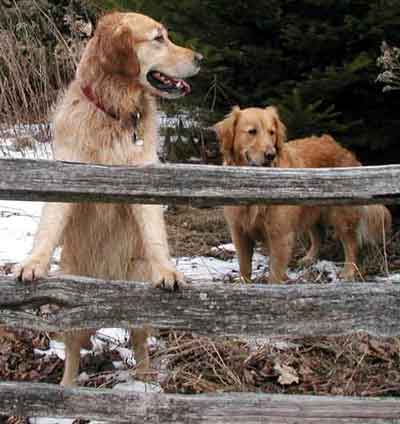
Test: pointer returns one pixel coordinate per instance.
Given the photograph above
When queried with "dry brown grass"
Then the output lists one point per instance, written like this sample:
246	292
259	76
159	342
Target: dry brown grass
31	75
350	365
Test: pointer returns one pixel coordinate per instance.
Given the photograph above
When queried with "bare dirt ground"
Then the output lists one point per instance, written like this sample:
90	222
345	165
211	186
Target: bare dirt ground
194	232
350	365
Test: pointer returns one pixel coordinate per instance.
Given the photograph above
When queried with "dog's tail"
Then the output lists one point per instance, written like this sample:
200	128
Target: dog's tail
375	224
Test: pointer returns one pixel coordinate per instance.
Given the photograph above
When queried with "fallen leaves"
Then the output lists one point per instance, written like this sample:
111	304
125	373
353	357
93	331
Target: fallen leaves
357	365
18	360
16	420
287	375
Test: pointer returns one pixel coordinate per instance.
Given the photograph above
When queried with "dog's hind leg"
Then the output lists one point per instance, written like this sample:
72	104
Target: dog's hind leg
345	221
244	246
74	341
350	247
315	244
141	270
280	250
138	337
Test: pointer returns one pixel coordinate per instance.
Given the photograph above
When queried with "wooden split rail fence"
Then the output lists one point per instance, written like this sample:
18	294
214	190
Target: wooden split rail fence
207	308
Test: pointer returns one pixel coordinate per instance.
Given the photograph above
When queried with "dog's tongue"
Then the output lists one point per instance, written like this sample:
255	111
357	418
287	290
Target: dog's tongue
177	83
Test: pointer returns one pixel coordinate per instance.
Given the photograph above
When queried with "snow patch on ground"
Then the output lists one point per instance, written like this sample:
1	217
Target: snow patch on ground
228	247
58	349
41	420
138	386
392	278
40	151
18	222
330	268
204	268
26	141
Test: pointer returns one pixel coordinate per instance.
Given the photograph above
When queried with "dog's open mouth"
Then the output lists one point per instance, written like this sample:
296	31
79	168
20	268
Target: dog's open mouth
168	84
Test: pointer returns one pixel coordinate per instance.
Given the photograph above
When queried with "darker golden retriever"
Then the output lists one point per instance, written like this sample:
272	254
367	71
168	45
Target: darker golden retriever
108	116
256	137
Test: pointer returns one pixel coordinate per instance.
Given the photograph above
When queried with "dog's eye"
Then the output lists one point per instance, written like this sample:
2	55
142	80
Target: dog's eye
159	39
252	131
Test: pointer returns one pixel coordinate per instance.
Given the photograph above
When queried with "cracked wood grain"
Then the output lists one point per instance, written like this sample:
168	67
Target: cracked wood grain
213	309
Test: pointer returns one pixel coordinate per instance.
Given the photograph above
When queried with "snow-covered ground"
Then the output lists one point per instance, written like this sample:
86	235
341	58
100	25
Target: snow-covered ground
18	222
26	142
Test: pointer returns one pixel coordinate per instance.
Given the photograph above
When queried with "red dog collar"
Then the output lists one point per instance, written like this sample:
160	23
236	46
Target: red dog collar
88	92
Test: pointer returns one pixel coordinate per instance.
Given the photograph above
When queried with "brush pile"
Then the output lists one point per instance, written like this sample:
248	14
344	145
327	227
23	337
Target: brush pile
357	365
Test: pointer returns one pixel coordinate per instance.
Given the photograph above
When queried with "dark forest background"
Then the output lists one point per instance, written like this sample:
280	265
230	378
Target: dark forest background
314	59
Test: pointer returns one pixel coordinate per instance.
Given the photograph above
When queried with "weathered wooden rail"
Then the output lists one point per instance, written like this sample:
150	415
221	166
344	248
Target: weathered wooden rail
51	181
212	309
44	399
206	308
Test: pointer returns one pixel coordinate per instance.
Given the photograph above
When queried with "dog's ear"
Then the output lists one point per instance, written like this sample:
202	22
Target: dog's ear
116	47
279	126
225	131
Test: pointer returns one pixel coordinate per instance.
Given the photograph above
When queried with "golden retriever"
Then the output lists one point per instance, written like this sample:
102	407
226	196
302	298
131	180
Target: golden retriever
108	116
256	137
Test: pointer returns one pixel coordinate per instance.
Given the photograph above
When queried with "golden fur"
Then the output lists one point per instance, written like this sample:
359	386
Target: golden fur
94	123
256	137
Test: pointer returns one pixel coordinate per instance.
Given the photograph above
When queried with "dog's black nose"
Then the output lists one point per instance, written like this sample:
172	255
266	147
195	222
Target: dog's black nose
269	156
198	57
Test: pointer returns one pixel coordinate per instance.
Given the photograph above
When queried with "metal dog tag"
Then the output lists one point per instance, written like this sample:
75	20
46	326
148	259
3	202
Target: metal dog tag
137	141
137	137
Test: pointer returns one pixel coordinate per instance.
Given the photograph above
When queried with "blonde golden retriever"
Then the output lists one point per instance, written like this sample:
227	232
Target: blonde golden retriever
256	137
108	116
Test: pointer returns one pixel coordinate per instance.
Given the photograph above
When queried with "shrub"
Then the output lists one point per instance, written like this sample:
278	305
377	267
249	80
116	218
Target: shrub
389	62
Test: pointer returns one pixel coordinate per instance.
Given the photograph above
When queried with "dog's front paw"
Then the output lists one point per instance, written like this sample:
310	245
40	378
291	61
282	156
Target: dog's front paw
168	278
30	270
